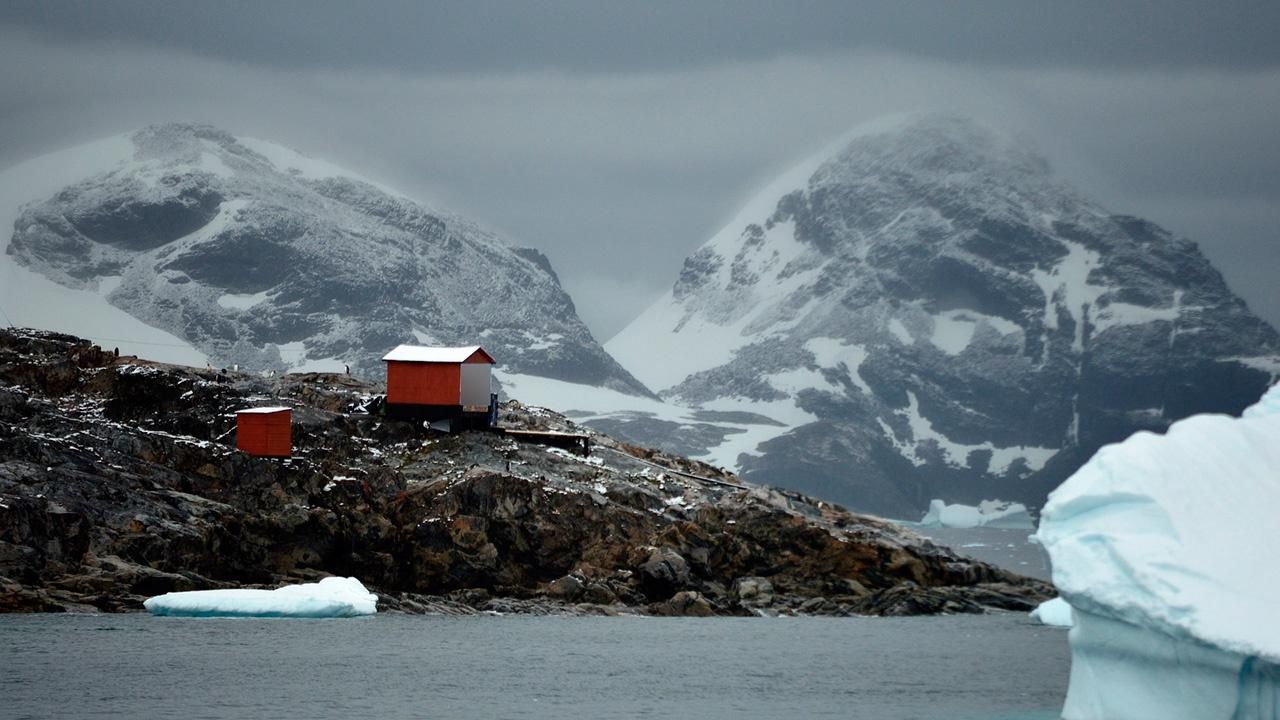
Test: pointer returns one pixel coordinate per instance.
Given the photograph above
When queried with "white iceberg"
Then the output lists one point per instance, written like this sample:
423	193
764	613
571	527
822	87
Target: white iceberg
1162	546
332	597
988	513
1055	612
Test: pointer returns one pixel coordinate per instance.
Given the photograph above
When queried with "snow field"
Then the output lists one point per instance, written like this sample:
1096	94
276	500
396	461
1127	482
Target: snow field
32	300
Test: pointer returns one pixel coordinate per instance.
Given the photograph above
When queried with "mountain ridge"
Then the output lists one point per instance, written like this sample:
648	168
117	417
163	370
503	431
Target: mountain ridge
260	257
931	313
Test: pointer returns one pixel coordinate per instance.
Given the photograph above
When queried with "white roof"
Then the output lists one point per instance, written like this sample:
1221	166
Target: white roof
263	410
417	353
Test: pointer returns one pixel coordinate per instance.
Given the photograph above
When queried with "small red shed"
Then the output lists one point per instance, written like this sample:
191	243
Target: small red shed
265	431
452	380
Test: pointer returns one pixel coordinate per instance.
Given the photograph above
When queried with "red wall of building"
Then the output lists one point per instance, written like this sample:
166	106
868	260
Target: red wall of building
265	434
417	383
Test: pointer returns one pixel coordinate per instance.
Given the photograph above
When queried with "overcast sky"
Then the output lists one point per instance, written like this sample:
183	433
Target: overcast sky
617	137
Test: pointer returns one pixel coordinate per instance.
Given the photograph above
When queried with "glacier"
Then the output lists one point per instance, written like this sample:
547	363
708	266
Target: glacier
332	597
1159	545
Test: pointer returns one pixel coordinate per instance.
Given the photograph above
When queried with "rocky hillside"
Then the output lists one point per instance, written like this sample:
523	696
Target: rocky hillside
119	479
259	257
925	311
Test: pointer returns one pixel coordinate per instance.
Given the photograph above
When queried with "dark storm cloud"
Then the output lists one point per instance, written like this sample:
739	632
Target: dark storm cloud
618	138
578	35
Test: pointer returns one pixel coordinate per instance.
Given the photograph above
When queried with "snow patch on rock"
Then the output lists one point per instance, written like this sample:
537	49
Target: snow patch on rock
957	454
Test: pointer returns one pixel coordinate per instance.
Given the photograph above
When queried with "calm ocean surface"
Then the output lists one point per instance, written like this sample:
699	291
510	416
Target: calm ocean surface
1005	547
392	666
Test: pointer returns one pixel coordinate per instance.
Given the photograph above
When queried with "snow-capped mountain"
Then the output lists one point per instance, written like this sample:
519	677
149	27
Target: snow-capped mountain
926	312
193	243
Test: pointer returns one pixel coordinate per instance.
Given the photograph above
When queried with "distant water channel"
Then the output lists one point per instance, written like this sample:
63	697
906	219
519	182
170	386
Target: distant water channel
1005	547
393	666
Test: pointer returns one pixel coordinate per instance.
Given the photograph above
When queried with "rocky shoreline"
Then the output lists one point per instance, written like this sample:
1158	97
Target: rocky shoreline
119	479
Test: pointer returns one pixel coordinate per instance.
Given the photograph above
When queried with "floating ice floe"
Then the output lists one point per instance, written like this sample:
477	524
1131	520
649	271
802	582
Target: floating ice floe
988	513
1159	543
1055	612
332	597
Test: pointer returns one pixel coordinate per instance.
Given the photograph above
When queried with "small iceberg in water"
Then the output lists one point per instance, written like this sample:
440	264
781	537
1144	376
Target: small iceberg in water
332	597
1055	612
988	513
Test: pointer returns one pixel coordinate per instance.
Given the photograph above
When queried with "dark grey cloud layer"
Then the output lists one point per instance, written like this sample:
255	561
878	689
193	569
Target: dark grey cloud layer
471	35
618	139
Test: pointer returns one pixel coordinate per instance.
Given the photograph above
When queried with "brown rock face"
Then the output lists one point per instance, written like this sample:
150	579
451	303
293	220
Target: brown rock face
119	480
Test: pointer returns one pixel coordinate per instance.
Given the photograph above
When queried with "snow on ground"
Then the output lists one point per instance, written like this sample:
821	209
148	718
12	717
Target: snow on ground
585	403
1117	314
901	332
332	597
653	335
1159	543
1269	364
294	355
308	168
425	338
687	343
953	330
242	302
85	313
1068	283
747	437
952	333
797	379
1055	612
319	365
227	213
957	454
988	513
831	352
213	165
689	340
82	312
108	283
536	342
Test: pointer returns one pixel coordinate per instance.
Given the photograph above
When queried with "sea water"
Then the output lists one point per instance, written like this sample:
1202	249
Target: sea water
392	665
1005	547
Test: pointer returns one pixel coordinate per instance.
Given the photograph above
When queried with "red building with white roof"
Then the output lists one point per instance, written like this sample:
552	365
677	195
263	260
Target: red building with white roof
440	383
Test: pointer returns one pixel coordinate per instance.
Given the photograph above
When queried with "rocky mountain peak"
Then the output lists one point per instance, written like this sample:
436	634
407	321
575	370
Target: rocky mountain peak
941	146
258	256
926	311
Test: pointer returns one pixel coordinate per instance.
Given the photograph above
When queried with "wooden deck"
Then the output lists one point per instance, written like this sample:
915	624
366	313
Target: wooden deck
577	442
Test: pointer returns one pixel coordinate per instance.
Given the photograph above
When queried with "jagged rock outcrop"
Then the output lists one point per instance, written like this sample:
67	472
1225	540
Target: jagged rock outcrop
119	479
